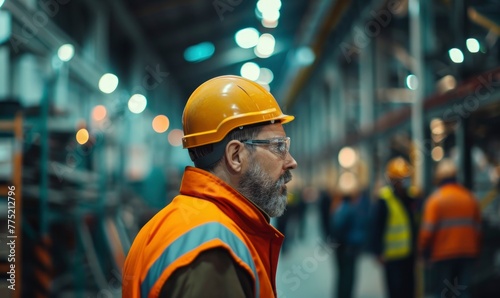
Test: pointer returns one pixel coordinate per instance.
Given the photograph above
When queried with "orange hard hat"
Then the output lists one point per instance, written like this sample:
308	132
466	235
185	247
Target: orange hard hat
445	169
224	103
398	168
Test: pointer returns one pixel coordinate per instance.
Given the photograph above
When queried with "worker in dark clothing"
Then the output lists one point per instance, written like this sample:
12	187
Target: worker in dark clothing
394	230
325	202
348	223
290	222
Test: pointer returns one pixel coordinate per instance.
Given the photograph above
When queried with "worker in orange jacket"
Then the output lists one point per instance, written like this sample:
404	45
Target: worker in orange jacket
215	238
450	233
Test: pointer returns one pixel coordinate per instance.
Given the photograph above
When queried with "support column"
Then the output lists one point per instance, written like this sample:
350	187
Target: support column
367	115
341	105
430	77
382	80
416	51
331	132
310	144
61	100
96	46
339	94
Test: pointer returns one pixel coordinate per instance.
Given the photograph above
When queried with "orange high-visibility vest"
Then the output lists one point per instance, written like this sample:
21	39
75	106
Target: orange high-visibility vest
451	224
207	214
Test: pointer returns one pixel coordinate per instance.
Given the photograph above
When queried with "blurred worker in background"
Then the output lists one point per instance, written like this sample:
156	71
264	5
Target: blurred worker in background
214	239
324	204
450	232
290	224
394	229
348	222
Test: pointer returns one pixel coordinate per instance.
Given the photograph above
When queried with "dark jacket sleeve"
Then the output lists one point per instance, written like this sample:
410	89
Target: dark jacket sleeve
213	273
379	222
341	222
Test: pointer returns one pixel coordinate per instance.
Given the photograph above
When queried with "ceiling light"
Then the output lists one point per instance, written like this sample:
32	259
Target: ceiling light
265	46
250	70
137	103
247	38
268	5
271	16
66	52
108	83
412	82
473	45
2	2
456	55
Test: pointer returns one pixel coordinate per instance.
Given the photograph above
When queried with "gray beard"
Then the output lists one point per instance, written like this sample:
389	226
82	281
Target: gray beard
267	194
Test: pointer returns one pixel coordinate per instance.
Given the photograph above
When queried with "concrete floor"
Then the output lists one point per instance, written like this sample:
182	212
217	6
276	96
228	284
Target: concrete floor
307	270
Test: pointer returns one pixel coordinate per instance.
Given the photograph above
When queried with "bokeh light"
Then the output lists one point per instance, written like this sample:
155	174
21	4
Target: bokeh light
108	83
99	113
160	123
247	38
456	55
250	70
347	157
175	137
437	153
82	136
66	52
137	103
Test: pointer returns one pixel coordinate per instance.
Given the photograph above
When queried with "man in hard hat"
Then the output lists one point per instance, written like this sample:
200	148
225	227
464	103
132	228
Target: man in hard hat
394	230
450	232
214	239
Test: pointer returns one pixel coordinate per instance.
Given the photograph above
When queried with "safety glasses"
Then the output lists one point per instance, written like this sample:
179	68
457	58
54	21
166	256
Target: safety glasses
279	146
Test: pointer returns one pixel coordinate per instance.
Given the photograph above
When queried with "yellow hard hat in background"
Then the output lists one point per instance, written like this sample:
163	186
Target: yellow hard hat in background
398	168
224	103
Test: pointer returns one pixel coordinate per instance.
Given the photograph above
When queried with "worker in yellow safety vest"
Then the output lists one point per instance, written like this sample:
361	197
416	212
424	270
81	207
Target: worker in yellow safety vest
392	239
215	238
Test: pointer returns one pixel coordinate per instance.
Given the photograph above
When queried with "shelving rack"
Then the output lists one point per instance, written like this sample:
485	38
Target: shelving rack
13	128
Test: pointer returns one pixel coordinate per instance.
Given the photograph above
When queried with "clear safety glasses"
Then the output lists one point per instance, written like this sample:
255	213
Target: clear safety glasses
279	146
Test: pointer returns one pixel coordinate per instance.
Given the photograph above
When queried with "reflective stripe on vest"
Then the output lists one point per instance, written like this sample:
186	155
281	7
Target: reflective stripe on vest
397	235
191	240
451	223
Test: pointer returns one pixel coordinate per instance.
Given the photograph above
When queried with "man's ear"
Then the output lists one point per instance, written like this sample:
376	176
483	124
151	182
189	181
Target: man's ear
234	155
